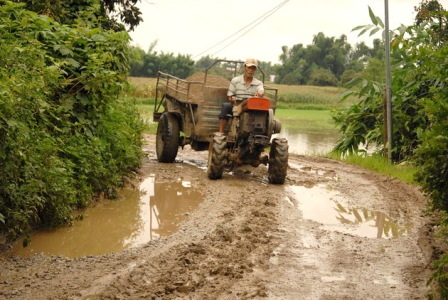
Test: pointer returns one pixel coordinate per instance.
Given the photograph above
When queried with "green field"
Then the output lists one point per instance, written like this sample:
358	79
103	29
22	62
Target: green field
303	97
306	119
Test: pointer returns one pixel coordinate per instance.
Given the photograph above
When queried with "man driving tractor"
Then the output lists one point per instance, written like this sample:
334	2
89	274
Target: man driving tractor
245	84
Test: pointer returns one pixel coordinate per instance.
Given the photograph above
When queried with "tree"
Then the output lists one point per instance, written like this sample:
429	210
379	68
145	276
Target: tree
136	62
128	12
433	12
420	110
349	75
150	63
330	53
407	118
293	65
111	13
322	77
374	70
362	53
204	62
325	53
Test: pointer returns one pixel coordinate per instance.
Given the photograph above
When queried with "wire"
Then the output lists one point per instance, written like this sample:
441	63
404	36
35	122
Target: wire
256	21
265	15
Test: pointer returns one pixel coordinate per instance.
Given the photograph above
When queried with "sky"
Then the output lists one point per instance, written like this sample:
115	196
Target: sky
238	29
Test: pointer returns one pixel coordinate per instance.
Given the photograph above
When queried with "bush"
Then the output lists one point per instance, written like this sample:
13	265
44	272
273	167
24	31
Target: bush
66	135
321	77
432	154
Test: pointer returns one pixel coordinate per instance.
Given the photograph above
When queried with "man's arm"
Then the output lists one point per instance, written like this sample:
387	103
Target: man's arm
260	91
231	92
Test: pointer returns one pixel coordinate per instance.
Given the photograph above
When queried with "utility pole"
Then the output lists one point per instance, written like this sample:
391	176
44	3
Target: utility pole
388	84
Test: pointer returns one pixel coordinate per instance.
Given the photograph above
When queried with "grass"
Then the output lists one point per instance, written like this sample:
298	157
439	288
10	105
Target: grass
145	107
302	107
404	172
305	119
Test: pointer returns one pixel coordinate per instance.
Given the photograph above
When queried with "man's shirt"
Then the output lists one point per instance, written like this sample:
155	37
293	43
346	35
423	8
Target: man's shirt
239	88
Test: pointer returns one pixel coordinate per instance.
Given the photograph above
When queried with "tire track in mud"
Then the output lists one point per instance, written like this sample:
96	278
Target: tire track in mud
236	249
247	239
318	263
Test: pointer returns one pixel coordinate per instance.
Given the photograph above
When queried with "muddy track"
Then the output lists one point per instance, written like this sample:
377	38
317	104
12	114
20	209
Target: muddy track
249	239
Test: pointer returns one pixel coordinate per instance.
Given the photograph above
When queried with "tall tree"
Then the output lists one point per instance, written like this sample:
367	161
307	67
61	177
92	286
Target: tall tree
330	53
433	11
325	54
293	65
113	14
204	62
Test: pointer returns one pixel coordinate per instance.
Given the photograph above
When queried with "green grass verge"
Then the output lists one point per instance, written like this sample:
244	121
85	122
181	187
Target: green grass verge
404	172
305	119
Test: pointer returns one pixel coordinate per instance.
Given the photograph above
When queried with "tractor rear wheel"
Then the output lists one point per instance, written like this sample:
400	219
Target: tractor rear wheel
167	140
278	161
217	157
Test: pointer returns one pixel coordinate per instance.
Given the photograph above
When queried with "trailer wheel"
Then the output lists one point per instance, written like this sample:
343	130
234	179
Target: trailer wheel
217	157
167	140
278	161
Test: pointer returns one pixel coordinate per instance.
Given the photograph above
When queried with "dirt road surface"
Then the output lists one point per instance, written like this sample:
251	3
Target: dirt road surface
250	240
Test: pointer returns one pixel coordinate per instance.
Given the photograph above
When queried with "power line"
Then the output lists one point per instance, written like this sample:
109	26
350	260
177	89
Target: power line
256	21
265	15
244	33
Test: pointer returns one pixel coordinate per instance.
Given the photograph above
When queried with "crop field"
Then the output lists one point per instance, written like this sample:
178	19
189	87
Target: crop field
289	96
142	87
309	97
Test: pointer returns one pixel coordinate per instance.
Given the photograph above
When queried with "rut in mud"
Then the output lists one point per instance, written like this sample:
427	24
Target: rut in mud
251	239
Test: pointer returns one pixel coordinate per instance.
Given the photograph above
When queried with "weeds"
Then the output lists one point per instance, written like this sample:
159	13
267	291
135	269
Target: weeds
404	171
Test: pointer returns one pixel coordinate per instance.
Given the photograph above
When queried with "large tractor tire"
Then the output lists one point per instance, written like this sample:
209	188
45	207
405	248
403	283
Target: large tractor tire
167	140
278	161
217	157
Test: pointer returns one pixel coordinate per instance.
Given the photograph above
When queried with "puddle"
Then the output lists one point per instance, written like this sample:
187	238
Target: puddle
153	210
330	174
301	141
312	141
332	211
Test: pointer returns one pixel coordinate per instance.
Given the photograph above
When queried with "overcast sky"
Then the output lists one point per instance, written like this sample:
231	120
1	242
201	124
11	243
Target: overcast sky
237	29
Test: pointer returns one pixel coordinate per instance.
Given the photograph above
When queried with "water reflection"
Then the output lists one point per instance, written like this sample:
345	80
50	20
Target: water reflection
362	217
173	202
303	141
152	211
328	208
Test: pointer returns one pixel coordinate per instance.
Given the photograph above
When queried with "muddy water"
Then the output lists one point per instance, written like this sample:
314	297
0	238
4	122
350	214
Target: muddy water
309	142
149	212
332	211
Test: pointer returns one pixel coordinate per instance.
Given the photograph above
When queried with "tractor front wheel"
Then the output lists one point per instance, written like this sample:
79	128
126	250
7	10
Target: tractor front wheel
217	157
278	161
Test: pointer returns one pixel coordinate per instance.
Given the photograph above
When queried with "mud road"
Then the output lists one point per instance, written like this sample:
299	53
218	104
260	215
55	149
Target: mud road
251	240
